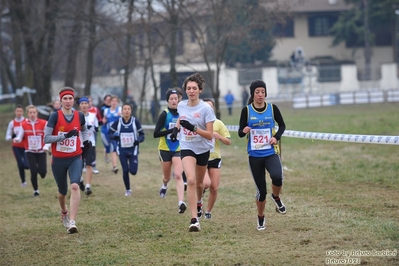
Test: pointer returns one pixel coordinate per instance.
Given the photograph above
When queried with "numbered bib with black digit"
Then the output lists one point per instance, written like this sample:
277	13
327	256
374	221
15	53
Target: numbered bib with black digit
260	139
171	125
126	140
189	136
67	145
35	142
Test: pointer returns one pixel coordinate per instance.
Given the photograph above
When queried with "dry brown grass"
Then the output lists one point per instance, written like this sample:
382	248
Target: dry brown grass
339	197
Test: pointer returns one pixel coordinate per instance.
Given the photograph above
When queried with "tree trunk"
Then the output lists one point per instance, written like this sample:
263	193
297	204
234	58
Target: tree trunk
52	7
34	58
173	47
128	53
91	47
17	50
367	46
73	44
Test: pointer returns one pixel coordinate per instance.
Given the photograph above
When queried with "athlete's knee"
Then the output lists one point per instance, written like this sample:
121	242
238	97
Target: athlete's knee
278	182
261	194
133	172
262	197
214	188
177	176
74	187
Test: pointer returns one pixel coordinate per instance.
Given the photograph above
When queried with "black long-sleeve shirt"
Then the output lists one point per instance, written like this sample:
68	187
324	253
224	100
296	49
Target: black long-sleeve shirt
277	117
160	124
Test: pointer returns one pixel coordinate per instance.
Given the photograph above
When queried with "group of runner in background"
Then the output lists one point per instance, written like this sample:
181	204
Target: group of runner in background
189	146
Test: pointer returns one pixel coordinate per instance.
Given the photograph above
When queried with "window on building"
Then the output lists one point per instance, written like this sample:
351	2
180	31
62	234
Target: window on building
329	73
285	29
246	76
320	25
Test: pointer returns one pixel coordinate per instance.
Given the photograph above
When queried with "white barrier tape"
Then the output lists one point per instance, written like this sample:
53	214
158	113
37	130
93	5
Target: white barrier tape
366	139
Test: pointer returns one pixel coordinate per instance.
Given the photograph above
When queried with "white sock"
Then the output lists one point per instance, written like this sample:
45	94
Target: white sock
164	187
87	185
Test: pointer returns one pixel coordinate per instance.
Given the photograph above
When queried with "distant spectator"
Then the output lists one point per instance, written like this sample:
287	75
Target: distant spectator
244	96
56	105
229	99
132	102
155	106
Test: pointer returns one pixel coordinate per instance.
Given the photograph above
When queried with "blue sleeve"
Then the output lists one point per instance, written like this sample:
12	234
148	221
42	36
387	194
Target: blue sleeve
140	130
112	130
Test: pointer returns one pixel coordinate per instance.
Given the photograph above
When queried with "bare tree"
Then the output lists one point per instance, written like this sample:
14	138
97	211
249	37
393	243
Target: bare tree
128	50
215	26
40	50
90	46
73	44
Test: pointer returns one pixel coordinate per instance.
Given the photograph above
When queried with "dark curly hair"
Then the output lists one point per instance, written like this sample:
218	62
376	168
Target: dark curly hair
196	77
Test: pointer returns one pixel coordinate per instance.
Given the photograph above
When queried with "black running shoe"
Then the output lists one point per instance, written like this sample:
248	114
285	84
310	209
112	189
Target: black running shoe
88	191
199	210
261	223
82	185
182	207
280	207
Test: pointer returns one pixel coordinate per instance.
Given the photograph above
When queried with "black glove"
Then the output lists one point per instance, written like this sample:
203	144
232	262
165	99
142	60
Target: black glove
71	133
13	136
96	129
136	143
186	124
173	135
116	137
87	144
89	126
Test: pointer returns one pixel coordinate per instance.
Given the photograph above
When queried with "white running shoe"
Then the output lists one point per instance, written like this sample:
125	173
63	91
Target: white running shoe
65	219
194	226
128	193
261	223
72	227
95	170
115	170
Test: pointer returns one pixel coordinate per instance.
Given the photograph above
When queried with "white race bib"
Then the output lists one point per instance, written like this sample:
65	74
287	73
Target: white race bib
35	142
260	139
171	125
127	140
17	129
189	136
67	145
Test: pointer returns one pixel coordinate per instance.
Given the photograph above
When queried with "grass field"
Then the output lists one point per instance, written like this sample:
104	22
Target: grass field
339	197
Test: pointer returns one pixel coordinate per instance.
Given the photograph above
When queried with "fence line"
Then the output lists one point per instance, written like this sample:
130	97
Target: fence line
357	138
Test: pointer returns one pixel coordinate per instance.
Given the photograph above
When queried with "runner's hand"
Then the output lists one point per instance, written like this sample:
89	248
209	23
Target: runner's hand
71	133
173	135
186	124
